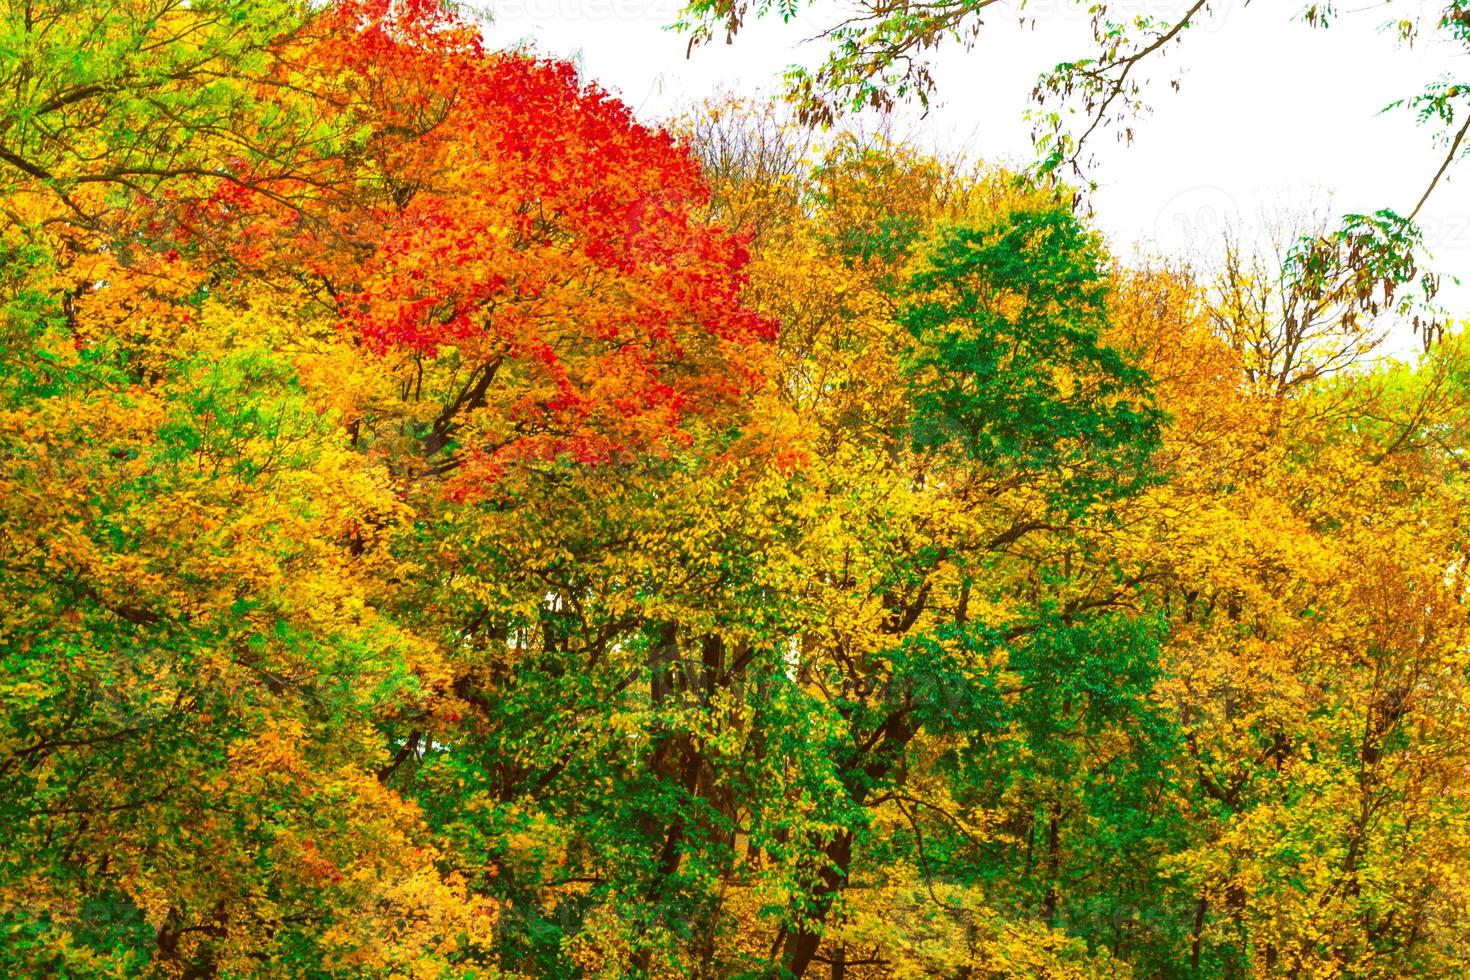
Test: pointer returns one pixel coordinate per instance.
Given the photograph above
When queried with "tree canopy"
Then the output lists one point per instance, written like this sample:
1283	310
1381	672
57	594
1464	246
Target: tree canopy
452	528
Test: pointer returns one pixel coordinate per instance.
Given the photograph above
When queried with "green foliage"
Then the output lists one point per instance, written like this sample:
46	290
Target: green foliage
422	555
1010	362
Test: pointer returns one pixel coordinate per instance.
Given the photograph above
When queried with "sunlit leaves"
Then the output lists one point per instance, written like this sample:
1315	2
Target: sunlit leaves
1010	361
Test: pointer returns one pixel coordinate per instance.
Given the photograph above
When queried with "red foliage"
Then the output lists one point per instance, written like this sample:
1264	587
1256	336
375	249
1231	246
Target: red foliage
492	203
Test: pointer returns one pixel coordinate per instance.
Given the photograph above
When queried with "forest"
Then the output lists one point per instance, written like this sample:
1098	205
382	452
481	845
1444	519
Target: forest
452	526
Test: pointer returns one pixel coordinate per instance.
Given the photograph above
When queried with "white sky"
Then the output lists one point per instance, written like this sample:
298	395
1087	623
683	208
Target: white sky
1271	113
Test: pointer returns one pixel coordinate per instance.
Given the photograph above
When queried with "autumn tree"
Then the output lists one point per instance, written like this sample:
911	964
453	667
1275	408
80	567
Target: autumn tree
880	56
222	458
451	528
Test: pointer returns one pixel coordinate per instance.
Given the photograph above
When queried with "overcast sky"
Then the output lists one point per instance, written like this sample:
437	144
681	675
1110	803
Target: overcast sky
1271	113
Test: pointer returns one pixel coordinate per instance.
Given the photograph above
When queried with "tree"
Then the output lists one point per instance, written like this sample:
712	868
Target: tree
879	56
222	458
938	606
448	528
